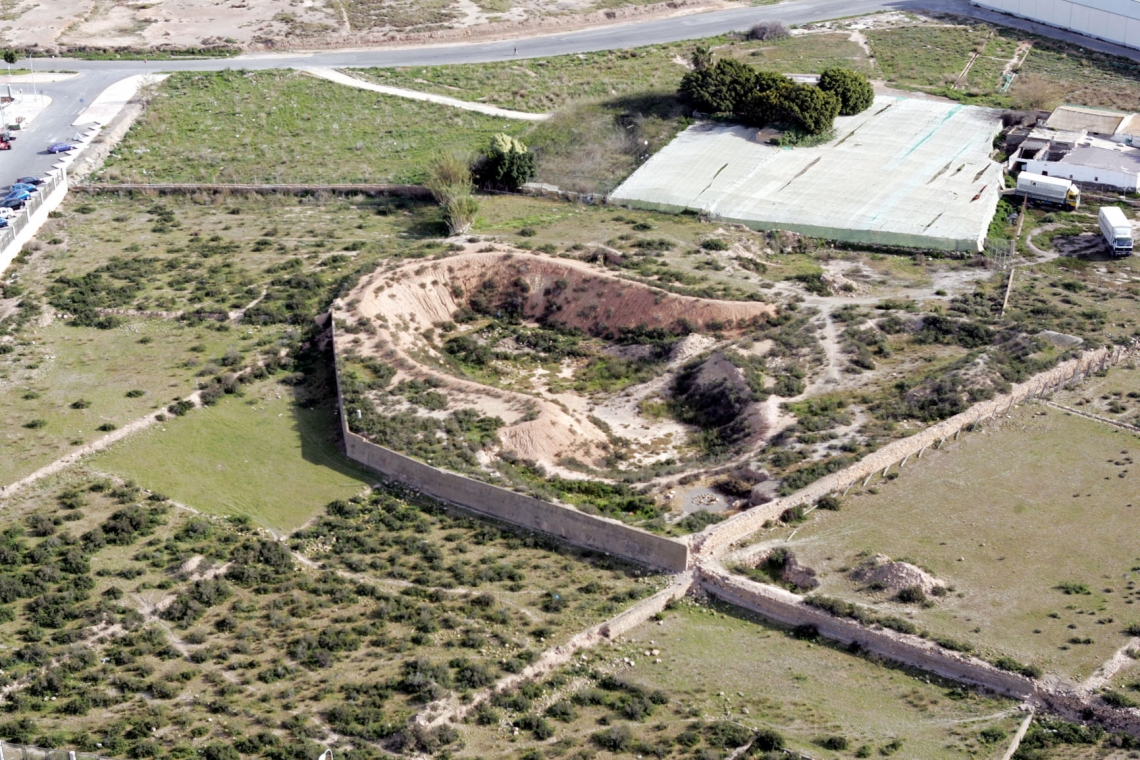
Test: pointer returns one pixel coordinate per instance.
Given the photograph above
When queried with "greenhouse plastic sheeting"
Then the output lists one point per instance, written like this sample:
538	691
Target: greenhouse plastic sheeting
905	172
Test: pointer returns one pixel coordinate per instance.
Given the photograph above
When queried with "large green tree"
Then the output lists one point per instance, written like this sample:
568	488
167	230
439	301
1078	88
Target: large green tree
720	88
852	88
810	107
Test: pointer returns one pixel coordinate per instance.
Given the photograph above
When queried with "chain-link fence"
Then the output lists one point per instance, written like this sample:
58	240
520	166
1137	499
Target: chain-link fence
10	751
23	217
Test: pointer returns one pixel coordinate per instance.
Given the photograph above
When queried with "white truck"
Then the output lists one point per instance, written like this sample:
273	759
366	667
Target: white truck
1116	230
1038	187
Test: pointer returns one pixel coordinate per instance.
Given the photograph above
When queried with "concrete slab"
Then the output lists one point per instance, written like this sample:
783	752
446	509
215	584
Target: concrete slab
906	172
109	102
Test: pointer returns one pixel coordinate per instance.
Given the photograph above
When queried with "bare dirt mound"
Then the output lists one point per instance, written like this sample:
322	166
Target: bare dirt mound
881	573
401	307
554	291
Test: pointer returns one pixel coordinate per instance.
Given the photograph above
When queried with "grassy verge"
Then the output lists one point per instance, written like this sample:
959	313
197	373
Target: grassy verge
547	84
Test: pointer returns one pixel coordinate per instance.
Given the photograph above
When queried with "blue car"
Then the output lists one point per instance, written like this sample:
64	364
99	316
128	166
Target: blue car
60	148
18	188
3	223
13	203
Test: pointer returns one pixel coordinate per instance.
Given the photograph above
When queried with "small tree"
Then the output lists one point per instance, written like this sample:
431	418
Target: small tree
853	89
766	103
10	57
508	163
449	180
701	58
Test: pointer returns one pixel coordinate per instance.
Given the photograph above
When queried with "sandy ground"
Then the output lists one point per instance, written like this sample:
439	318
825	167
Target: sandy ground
405	302
302	24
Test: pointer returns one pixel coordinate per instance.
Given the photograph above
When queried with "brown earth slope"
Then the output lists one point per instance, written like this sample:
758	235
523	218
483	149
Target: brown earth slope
398	305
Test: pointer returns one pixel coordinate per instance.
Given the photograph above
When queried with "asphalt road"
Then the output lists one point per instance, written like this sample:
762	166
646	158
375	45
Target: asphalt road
71	96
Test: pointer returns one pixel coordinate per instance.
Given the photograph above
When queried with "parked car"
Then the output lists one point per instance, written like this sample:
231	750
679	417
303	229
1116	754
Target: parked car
60	148
37	181
3	223
24	189
13	203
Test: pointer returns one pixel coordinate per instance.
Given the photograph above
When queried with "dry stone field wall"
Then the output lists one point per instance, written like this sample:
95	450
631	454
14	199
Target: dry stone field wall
784	607
590	531
718	538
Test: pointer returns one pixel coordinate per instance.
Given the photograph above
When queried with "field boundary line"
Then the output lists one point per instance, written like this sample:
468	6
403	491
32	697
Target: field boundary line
1013	745
719	538
173	188
339	77
450	709
99	444
1094	417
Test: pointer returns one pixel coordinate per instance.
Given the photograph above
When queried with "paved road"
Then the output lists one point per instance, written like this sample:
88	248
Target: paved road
55	123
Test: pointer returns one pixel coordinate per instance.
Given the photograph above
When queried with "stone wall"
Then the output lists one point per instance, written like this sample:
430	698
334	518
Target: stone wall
784	607
716	539
590	531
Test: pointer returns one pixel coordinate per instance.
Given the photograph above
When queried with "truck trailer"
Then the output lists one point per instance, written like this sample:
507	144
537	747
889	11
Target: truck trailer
1038	187
1116	230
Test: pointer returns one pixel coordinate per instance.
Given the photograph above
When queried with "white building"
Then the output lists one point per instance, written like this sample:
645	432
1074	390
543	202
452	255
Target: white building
1077	156
1115	21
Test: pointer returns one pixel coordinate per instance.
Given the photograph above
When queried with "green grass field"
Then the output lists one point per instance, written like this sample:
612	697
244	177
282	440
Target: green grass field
718	665
174	255
286	126
1007	516
546	84
58	366
259	456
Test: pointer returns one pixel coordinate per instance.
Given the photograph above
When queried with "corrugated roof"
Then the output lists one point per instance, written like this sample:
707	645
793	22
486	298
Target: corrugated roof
1076	119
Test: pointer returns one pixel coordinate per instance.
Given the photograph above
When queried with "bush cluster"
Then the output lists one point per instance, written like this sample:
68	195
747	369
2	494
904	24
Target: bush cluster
757	98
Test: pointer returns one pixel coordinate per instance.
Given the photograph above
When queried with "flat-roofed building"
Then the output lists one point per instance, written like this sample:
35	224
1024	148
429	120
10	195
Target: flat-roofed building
1115	21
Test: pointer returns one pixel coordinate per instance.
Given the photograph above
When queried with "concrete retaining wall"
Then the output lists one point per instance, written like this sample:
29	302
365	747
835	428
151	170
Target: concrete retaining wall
590	531
784	607
718	538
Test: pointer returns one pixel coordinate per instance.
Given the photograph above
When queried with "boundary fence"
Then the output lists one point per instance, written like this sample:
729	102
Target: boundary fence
27	222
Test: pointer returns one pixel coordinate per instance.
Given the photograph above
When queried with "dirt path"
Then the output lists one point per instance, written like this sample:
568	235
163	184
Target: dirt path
94	447
452	710
1018	58
1111	667
332	75
1013	745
